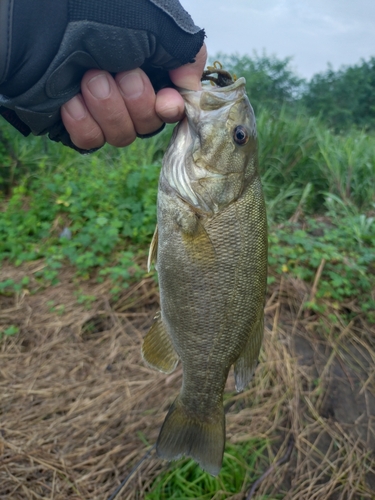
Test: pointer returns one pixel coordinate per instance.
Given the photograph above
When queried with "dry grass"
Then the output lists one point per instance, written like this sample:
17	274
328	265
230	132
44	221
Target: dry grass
78	406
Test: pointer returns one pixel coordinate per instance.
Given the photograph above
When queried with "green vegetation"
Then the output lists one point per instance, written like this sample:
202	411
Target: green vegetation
9	331
107	201
345	97
185	479
303	163
345	251
97	213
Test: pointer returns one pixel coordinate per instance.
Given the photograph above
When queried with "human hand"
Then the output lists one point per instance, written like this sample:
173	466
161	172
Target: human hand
111	38
115	110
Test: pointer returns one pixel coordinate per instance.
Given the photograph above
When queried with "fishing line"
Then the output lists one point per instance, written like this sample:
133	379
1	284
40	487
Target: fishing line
134	469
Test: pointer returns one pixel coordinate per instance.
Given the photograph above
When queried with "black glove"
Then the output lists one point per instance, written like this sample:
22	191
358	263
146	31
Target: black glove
46	47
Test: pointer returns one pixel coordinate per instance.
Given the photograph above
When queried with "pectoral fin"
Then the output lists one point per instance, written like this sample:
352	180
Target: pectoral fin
152	254
157	348
245	365
199	246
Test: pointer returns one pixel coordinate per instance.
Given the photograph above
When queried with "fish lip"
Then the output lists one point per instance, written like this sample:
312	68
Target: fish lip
240	82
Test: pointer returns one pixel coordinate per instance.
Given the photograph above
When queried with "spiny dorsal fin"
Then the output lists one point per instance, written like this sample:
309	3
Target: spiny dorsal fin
152	254
157	348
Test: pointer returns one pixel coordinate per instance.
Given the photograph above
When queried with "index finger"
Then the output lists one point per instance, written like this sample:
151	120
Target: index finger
189	76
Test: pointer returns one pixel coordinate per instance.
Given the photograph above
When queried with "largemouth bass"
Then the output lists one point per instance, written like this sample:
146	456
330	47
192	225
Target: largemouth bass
211	252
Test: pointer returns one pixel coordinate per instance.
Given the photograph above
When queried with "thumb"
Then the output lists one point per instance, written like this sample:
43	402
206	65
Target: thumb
189	76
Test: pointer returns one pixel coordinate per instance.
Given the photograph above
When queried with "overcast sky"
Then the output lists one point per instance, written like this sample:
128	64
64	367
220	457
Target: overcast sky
314	32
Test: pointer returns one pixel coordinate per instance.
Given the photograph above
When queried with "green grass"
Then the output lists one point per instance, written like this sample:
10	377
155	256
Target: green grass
108	202
242	465
303	163
325	182
345	247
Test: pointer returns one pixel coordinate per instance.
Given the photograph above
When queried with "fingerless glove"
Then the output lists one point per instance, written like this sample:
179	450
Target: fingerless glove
47	46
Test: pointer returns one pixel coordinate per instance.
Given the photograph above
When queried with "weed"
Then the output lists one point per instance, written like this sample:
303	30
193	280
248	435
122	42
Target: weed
9	331
342	249
86	300
98	212
106	210
185	479
9	286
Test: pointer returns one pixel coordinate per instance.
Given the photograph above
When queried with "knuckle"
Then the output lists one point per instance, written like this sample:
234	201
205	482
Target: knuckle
88	138
146	121
116	118
119	129
122	140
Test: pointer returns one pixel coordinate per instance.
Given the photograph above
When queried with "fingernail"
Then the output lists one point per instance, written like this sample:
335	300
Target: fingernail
132	85
99	86
75	108
191	82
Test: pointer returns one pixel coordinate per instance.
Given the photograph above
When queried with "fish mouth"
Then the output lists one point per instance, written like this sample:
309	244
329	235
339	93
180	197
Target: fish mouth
240	82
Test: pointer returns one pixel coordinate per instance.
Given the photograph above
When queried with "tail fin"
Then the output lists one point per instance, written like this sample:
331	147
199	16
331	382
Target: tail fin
183	434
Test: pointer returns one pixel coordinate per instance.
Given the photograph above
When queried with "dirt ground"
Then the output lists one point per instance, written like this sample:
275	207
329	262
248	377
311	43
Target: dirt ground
79	408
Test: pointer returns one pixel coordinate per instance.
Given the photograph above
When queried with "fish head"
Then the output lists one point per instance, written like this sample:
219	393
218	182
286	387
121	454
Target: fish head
222	127
213	152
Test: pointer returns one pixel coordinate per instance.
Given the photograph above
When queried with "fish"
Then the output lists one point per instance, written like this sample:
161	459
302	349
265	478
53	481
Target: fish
210	252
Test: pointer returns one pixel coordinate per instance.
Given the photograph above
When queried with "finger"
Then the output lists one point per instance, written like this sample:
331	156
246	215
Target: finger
189	76
169	105
107	107
81	126
139	97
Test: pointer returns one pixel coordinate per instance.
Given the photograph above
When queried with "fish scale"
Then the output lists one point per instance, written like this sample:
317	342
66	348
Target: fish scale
212	266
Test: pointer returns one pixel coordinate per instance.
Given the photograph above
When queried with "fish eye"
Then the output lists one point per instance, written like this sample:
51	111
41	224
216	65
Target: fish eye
240	135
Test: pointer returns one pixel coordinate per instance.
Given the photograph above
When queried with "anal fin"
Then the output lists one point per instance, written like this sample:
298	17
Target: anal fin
157	348
245	365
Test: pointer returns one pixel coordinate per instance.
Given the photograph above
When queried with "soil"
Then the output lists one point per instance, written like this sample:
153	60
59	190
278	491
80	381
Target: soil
79	407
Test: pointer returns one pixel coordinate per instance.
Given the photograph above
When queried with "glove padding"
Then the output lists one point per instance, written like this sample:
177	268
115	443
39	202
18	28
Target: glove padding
113	35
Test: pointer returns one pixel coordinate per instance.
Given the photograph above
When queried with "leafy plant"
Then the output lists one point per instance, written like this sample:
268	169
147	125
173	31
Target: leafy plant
9	331
185	479
84	213
345	252
98	212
